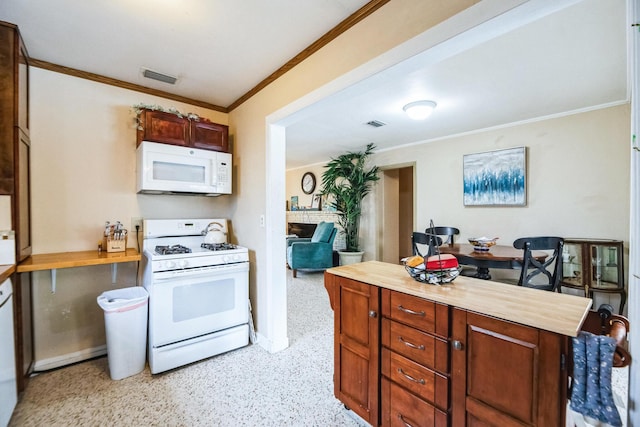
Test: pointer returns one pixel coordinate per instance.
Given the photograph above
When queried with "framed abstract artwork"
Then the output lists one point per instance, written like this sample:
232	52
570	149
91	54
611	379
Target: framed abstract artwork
495	178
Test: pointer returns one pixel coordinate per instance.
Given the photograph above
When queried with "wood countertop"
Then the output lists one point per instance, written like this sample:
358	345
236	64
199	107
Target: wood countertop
76	259
550	311
6	270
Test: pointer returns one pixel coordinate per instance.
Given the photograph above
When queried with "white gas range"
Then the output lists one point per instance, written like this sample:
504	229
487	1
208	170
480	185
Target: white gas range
198	291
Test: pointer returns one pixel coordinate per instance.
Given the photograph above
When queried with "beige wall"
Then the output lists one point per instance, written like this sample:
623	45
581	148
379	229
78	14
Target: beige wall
83	142
578	169
577	178
294	180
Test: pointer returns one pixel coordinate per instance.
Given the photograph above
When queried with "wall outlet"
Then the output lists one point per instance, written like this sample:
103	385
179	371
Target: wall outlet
134	222
262	220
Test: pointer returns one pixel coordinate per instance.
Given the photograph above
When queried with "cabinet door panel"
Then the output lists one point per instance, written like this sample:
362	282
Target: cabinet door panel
23	193
480	415
23	88
167	128
506	374
357	329
209	136
502	368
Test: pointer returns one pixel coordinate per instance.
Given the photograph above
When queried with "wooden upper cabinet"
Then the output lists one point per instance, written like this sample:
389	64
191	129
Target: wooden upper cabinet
15	145
209	136
169	128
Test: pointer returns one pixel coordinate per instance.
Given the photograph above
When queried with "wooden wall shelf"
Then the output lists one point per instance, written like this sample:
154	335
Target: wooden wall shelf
53	261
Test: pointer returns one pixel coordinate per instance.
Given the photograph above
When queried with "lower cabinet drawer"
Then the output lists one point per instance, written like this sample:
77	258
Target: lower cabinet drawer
401	408
416	345
421	381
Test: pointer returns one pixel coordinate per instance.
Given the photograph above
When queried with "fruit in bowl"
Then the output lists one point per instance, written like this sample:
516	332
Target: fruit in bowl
482	243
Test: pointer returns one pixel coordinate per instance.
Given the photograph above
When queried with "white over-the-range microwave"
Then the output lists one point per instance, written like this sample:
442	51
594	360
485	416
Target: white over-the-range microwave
172	169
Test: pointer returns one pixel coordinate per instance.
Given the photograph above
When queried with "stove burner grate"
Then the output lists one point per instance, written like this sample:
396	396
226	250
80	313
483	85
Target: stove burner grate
170	250
218	246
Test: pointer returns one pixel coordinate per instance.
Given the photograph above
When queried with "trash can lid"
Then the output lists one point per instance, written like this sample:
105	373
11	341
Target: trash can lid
124	299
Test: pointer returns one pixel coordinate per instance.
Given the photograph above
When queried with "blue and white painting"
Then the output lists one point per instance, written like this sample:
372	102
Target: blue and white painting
495	178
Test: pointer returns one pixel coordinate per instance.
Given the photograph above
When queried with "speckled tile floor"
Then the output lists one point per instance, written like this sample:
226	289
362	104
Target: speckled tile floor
245	387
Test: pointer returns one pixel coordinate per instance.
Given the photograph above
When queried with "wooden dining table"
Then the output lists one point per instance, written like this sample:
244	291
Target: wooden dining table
498	256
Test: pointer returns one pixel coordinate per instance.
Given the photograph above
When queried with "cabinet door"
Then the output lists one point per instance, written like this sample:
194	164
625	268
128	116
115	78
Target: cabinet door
209	136
23	88
7	103
357	347
505	374
24	336
167	128
22	217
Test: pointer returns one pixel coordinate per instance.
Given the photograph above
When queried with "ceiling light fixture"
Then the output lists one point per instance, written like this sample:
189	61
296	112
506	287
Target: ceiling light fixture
419	110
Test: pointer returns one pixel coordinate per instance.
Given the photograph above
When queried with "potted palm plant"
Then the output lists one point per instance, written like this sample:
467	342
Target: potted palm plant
347	181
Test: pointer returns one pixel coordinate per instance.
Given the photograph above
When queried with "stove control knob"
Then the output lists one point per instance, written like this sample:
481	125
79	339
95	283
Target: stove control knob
171	264
184	263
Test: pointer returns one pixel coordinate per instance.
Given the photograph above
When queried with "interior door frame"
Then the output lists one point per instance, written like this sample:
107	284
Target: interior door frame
387	194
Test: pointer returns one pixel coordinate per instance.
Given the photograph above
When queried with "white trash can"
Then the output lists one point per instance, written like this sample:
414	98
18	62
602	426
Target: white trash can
125	321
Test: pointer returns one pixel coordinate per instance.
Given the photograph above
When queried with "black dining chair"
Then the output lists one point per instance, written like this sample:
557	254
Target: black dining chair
448	233
424	244
447	236
544	275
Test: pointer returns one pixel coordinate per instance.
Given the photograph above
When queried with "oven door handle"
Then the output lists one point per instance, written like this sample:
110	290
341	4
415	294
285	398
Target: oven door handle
200	271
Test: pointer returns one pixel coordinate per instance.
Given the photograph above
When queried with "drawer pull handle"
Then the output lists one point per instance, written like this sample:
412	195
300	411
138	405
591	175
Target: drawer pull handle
410	378
457	345
408	344
403	421
415	313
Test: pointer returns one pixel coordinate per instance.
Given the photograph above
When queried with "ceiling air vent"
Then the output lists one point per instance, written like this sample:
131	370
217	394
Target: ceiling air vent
376	123
160	77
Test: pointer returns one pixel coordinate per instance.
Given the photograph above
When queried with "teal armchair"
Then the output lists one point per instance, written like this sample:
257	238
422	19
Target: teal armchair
315	253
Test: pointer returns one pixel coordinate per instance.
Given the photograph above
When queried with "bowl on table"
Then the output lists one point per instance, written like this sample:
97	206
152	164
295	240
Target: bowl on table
482	244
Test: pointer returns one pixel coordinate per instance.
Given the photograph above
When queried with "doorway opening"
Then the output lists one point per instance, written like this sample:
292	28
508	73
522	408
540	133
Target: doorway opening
396	213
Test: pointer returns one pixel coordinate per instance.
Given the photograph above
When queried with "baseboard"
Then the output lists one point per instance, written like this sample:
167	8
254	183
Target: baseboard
69	358
272	346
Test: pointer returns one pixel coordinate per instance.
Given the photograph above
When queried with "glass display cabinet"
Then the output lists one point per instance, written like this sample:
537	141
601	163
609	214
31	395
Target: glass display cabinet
594	265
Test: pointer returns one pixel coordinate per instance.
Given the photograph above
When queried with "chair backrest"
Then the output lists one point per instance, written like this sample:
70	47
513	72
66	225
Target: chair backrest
545	275
325	232
448	232
426	242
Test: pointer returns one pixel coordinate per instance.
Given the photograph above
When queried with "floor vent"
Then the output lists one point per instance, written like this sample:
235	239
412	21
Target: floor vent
376	123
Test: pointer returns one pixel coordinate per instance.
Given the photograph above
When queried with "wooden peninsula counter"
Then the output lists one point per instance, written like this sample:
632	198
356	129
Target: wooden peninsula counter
472	352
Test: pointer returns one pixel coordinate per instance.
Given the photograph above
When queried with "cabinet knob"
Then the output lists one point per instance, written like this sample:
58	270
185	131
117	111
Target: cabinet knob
457	345
373	313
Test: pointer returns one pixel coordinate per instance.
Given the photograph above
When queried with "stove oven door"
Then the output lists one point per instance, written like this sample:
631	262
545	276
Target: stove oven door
191	303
